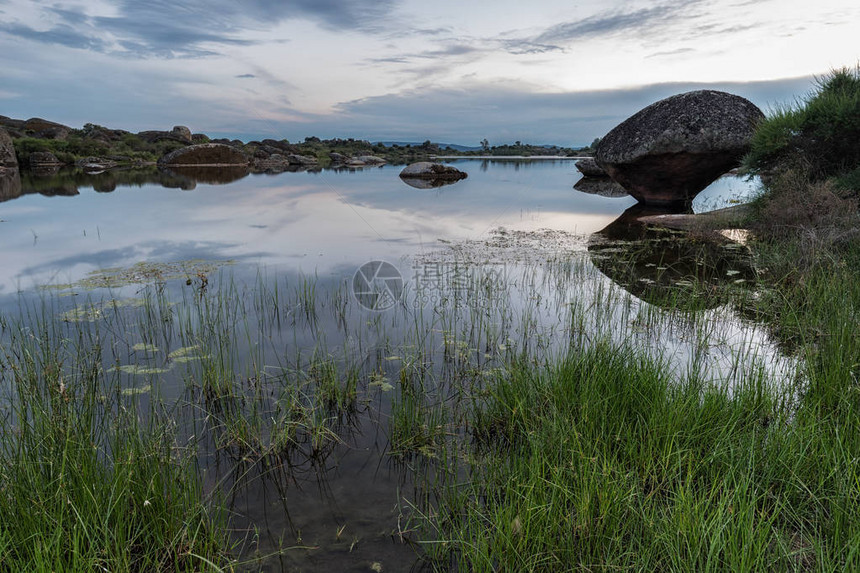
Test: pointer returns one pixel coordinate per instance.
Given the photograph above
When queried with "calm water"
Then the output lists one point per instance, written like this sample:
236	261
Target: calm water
324	223
515	231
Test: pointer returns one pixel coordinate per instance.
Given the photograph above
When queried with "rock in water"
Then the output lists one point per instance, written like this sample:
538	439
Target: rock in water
668	152
589	168
43	158
296	159
430	170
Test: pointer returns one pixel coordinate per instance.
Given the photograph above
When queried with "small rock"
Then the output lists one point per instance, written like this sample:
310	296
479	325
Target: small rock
371	160
43	158
603	186
90	164
296	159
590	168
430	170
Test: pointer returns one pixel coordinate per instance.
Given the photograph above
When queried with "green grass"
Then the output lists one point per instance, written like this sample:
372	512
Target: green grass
86	484
605	462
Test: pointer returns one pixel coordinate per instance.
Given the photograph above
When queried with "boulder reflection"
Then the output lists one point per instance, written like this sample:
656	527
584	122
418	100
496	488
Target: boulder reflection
603	186
670	268
428	183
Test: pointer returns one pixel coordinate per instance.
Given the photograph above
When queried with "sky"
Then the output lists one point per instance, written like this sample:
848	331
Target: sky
543	71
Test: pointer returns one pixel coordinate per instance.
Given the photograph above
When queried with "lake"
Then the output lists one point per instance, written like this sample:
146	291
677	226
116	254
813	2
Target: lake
353	316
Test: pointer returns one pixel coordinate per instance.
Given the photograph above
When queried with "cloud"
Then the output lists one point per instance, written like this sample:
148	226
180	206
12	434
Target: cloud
677	52
61	35
514	112
612	23
192	28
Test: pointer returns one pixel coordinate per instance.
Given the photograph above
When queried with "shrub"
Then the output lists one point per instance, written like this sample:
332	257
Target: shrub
821	133
811	215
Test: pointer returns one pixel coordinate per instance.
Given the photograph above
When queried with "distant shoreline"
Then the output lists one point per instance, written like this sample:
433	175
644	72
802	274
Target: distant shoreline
511	157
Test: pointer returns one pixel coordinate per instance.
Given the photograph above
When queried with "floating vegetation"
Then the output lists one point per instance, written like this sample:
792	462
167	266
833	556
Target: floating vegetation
138	370
185	354
93	312
144	272
137	391
143	347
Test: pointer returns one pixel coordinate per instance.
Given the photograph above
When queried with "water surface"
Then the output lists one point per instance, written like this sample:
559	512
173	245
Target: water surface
510	262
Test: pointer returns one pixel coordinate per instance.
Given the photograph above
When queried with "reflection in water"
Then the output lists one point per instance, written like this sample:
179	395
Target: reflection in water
427	183
603	186
212	175
10	184
666	267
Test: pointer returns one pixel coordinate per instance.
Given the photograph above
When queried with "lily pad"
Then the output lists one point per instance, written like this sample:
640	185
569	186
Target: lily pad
137	391
138	370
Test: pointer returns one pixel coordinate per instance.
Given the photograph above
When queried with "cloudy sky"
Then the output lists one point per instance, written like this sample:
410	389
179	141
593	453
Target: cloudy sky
544	71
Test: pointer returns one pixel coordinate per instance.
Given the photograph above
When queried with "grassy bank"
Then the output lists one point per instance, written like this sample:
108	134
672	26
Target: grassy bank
604	462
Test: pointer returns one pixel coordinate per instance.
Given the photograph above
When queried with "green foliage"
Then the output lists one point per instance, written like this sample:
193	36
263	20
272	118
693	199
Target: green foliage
850	182
820	133
66	150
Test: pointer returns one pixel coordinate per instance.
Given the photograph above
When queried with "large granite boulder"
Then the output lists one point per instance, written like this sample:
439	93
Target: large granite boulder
668	152
430	170
205	154
7	151
47	129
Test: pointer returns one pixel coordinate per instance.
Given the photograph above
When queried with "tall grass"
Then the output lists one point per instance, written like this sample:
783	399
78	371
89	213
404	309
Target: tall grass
87	484
604	462
820	133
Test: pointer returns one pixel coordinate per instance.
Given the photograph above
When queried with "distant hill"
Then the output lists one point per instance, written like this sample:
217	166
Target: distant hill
419	143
